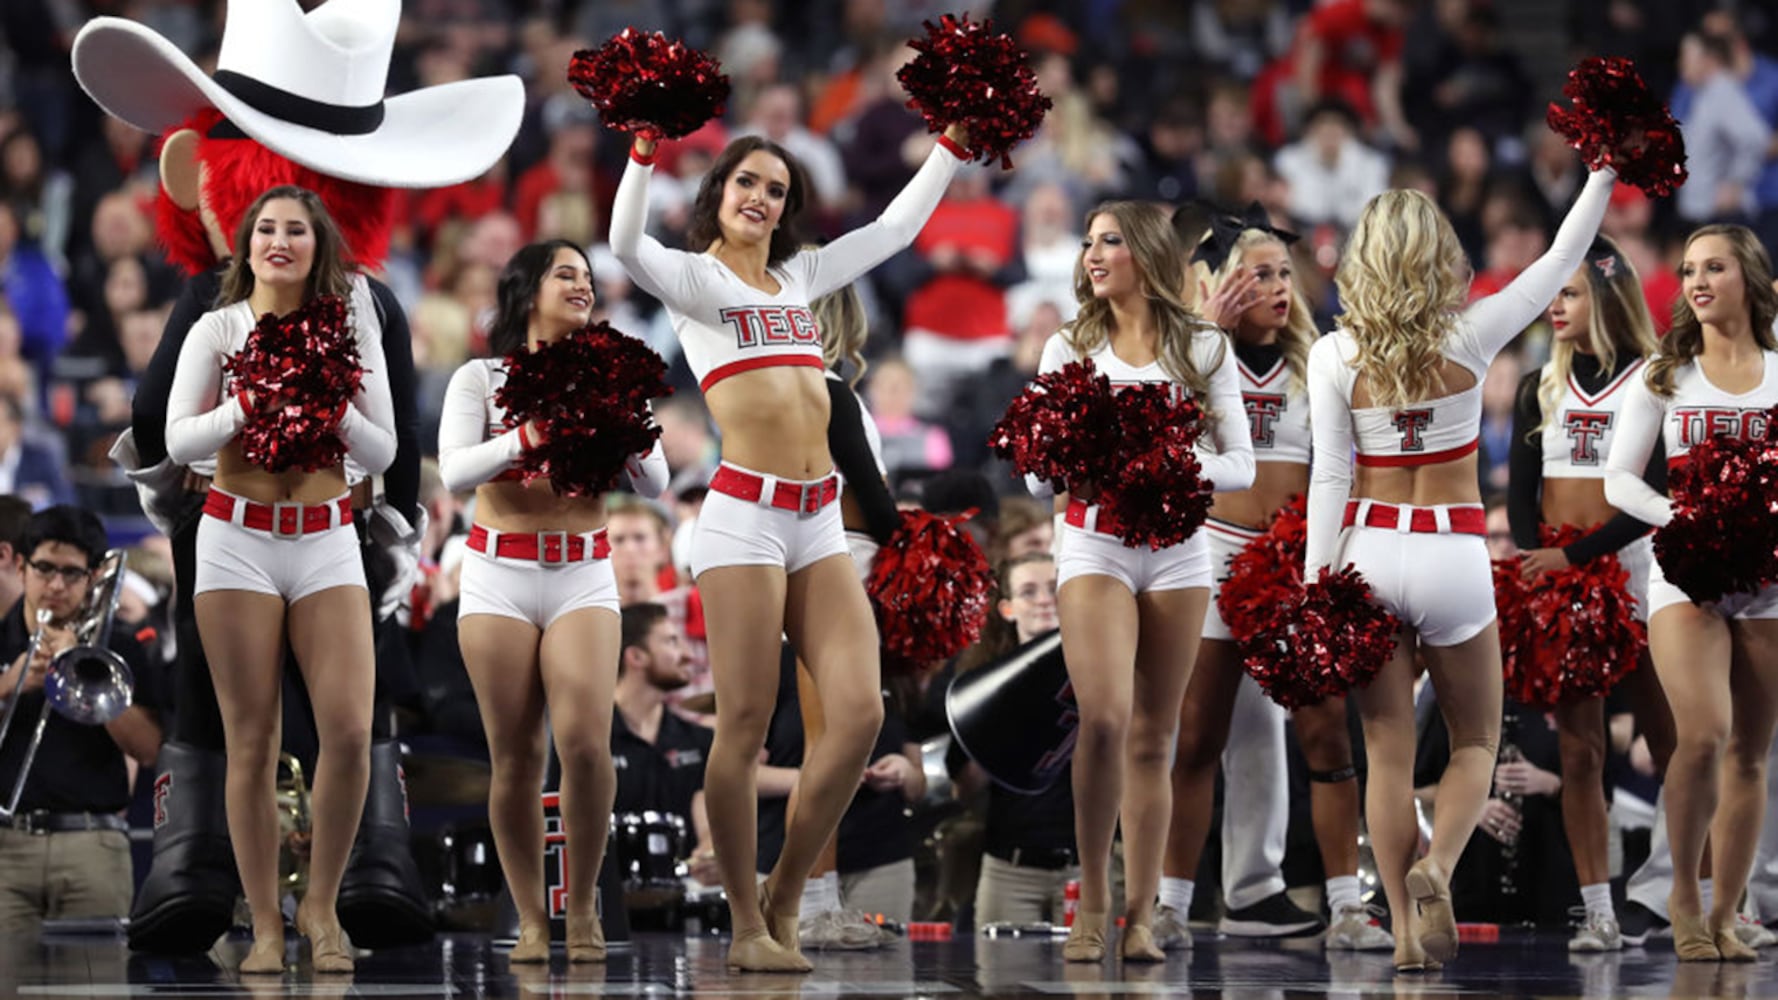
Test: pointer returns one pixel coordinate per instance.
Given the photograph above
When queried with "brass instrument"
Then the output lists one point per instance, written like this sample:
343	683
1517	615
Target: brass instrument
86	683
292	797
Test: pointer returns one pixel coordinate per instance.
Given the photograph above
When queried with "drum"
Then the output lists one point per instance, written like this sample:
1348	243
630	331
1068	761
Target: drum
650	847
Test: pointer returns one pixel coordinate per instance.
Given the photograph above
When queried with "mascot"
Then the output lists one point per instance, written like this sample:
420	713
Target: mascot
297	98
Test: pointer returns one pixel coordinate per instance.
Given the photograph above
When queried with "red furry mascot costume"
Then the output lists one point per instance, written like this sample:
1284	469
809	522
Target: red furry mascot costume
297	98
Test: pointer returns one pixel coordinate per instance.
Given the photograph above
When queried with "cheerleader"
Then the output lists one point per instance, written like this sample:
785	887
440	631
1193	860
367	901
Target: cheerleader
1131	616
1400	383
769	553
1272	338
538	621
1563	425
1714	375
277	556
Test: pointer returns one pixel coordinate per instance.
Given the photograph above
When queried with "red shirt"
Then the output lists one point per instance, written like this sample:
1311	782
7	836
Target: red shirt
962	304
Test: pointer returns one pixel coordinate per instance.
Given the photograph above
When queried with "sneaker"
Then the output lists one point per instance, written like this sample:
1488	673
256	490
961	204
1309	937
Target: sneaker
1597	934
1273	916
1754	934
839	930
1637	924
1355	927
1170	931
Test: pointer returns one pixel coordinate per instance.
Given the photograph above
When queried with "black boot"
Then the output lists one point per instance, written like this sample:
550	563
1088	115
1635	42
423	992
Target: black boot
382	902
188	899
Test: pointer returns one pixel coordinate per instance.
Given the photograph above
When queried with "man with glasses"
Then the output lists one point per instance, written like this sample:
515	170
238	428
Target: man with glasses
66	853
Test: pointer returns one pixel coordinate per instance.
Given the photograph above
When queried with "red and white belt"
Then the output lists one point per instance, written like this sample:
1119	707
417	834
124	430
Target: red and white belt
280	520
546	548
770	491
1459	519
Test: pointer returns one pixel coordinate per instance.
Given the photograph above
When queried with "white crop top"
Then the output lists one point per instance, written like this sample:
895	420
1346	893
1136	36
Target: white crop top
1577	437
1277	413
726	325
1226	454
478	443
1695	411
204	413
1433	430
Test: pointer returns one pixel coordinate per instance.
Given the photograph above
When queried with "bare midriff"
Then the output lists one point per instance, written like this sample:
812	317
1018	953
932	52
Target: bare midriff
510	505
236	475
1580	502
774	420
1273	484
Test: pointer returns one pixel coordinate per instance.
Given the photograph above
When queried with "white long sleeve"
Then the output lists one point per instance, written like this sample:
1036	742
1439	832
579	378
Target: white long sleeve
1640	419
844	260
1232	467
367	428
1330	469
467	456
648	472
199	421
663	273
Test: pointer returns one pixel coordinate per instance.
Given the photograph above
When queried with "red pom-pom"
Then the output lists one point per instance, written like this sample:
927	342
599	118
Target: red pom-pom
1266	573
650	86
589	395
1568	634
1063	427
930	585
1723	538
1332	639
967	74
1617	121
308	359
1154	495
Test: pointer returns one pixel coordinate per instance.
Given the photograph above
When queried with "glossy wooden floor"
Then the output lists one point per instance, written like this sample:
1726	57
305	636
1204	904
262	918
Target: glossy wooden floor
660	965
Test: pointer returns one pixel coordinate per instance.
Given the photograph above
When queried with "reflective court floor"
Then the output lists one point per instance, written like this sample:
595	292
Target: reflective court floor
663	965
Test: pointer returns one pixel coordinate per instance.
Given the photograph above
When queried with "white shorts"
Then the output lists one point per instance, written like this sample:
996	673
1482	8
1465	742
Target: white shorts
1085	551
864	552
735	532
1637	557
1226	542
233	557
1440	584
534	592
1661	594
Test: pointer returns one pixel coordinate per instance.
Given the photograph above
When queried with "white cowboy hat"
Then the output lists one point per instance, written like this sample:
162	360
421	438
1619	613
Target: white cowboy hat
310	88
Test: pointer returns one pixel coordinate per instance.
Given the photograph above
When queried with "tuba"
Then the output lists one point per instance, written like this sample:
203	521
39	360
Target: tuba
86	683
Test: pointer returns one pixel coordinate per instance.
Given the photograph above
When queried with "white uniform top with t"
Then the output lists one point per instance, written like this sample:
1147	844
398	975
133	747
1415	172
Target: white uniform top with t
726	325
477	443
1277	412
204	413
1227	458
1695	411
1578	435
1432	430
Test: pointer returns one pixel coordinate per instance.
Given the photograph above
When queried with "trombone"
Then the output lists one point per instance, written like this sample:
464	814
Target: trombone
87	683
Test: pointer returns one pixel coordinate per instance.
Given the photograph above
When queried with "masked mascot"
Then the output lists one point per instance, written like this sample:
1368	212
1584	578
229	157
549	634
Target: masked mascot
297	98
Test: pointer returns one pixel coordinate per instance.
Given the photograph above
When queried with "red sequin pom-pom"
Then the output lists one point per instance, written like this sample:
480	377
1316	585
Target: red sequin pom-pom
303	370
649	85
1332	639
1616	121
1266	573
1156	497
967	74
930	585
1063	427
1568	634
588	394
1723	538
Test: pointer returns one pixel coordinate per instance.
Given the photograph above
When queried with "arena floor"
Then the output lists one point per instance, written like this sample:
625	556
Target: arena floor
661	965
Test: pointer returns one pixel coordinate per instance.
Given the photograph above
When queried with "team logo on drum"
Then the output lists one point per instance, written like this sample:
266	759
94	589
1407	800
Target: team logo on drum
163	787
1585	428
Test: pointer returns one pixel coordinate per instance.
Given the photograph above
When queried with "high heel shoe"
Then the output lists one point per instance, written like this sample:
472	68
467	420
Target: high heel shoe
266	957
1137	944
1692	941
1086	939
586	939
328	950
1431	891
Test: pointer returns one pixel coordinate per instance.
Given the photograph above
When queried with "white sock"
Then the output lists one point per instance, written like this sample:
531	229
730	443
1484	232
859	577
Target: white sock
1342	891
830	892
821	893
1707	892
1177	893
1598	900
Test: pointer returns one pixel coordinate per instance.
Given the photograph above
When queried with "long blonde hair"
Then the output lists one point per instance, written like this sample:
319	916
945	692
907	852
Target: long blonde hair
1685	340
840	317
1299	331
1160	270
1401	278
1619	321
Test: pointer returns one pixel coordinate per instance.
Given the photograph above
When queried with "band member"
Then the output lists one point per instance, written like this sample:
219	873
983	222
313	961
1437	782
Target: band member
1716	370
1131	616
1400	382
538	622
1224	713
769	554
1563	425
276	553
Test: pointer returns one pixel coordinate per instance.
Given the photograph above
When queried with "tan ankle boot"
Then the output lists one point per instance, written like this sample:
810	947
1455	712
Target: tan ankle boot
1137	944
1692	941
1086	939
532	947
1431	891
586	939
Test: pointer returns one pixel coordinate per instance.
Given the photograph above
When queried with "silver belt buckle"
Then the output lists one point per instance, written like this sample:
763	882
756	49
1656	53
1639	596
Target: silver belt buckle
545	539
278	515
808	500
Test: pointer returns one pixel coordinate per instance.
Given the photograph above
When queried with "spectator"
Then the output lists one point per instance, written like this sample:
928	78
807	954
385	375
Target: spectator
15	526
1167	169
1500	531
1725	138
1499	390
909	443
566	175
40	196
34	291
1470	80
659	756
777	114
1331	172
28	470
1347	51
1242	38
1035	319
1464	186
1049	247
687	442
